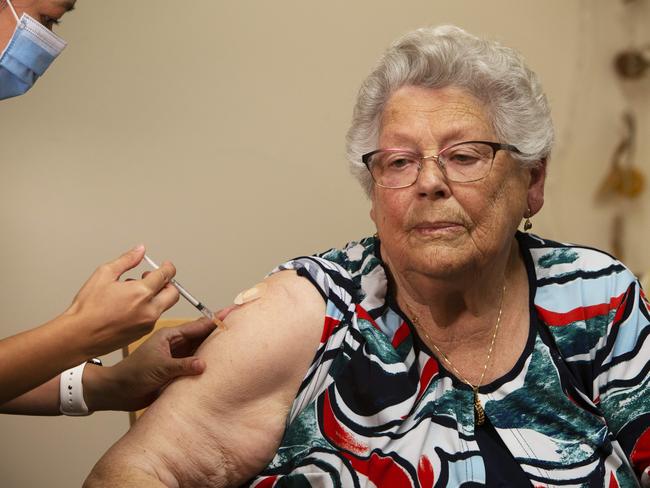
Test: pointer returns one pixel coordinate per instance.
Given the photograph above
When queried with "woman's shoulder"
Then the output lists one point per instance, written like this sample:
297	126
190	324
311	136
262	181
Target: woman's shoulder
355	256
585	297
351	274
556	262
578	291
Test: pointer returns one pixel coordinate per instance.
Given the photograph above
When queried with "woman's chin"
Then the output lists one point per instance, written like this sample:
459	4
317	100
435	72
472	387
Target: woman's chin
437	241
441	257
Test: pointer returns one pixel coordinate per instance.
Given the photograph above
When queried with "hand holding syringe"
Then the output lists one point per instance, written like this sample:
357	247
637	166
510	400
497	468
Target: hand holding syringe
185	294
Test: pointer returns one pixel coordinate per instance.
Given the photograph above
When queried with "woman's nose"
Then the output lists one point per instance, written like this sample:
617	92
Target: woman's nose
432	179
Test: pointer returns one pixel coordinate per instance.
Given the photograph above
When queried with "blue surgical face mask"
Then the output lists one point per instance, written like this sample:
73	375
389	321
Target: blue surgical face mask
31	49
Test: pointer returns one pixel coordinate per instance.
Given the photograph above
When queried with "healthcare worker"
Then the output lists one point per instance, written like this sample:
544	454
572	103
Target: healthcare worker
107	313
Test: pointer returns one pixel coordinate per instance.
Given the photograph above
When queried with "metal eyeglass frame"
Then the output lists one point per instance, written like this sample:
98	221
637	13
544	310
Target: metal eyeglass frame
496	146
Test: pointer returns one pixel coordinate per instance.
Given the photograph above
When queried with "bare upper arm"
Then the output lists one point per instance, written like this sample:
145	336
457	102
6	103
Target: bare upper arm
224	426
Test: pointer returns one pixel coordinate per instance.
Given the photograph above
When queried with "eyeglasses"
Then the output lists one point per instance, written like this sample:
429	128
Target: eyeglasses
464	162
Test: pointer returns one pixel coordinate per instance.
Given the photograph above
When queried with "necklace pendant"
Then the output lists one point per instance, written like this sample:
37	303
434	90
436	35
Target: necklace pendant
479	413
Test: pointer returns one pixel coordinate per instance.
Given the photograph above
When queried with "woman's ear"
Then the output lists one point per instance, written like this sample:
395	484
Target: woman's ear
372	207
536	187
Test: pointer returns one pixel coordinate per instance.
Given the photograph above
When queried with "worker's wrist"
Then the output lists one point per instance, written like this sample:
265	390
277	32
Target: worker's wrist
72	330
99	387
72	389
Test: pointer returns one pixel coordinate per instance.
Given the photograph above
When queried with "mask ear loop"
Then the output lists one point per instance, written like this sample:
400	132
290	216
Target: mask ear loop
13	11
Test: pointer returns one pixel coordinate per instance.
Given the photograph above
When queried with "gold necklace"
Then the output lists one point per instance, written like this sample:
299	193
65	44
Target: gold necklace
479	412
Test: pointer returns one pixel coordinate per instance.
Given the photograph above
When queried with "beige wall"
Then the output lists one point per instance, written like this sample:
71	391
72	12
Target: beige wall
213	132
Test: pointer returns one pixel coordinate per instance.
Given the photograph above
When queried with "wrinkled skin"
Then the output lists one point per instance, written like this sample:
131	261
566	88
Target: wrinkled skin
439	229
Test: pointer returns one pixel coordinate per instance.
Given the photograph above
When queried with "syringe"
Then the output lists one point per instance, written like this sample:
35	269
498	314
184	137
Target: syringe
184	293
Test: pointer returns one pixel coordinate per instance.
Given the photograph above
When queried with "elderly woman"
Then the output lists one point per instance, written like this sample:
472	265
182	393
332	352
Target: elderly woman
450	349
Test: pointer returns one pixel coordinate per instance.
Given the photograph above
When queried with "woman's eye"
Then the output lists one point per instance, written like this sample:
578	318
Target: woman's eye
399	163
463	158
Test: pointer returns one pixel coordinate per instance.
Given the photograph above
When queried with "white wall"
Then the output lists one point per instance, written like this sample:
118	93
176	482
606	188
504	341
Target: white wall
214	131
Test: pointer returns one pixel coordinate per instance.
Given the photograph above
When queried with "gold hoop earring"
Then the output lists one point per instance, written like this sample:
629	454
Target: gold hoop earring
527	223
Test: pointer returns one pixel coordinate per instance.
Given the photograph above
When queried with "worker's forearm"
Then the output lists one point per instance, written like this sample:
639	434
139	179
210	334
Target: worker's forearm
31	358
42	400
101	391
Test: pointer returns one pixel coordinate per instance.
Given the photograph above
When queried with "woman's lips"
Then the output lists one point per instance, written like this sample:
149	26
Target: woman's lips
441	227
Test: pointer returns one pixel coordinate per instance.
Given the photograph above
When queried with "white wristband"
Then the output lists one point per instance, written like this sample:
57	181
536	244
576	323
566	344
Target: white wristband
71	392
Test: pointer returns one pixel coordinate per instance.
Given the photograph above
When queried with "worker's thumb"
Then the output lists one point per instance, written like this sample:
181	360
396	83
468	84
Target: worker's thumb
185	367
129	260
